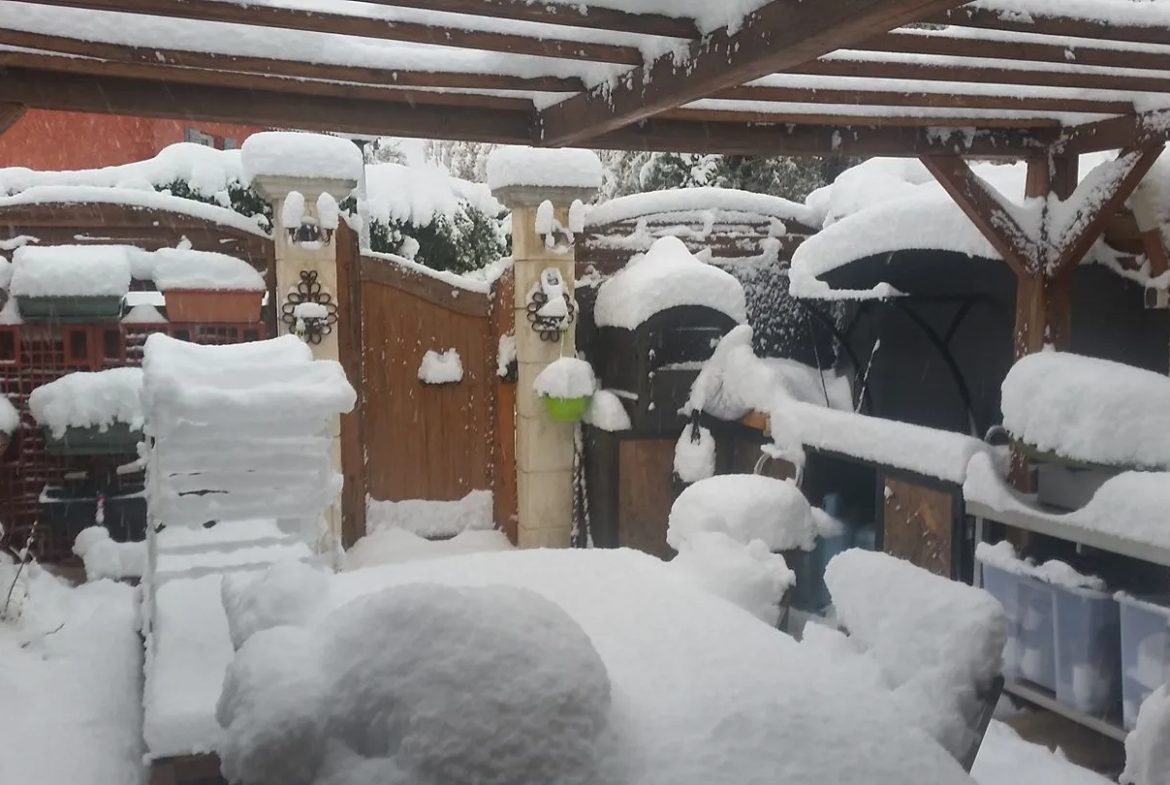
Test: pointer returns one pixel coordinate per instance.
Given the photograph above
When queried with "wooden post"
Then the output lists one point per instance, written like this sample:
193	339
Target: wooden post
349	348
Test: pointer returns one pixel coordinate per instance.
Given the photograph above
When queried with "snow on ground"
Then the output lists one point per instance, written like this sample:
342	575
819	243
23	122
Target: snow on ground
85	399
428	518
70	670
394	545
666	276
700	690
440	367
1089	410
291	154
543	167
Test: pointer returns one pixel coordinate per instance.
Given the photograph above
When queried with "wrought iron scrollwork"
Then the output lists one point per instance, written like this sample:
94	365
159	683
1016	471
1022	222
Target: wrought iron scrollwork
309	290
549	328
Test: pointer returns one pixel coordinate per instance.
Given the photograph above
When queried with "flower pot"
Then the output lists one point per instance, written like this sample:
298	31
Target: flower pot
70	309
118	439
567	409
223	306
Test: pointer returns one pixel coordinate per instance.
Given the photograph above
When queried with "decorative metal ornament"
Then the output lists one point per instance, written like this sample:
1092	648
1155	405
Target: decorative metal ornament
312	329
549	328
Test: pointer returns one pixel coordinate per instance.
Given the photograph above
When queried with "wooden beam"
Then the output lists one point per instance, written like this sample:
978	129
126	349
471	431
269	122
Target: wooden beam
925	43
10	114
875	67
1105	200
569	15
384	77
1039	23
1116	133
261	16
988	211
780	35
895	119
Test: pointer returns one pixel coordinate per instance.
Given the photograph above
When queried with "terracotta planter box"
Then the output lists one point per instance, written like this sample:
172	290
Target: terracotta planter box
213	305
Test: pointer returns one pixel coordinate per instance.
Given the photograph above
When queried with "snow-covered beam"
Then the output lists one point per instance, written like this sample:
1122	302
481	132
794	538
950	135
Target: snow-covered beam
780	35
1115	133
565	14
475	35
9	115
1139	23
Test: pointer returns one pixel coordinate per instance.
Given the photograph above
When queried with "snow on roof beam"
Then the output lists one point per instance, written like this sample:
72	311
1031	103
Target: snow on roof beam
780	35
1116	132
569	15
363	27
1019	16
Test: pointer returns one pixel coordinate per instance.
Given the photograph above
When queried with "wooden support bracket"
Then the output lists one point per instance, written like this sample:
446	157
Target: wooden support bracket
9	115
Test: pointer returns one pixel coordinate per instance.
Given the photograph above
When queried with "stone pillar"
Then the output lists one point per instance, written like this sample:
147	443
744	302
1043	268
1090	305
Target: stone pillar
293	258
544	449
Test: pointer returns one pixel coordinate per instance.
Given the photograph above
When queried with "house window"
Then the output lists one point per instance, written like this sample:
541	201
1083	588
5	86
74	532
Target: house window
198	137
229	143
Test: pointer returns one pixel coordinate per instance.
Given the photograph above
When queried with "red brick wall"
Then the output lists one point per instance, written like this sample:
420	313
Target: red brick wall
72	140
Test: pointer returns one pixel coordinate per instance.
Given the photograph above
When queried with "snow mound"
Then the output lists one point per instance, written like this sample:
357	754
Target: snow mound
105	558
745	507
1089	410
291	154
427	518
441	368
1147	755
85	399
694	455
9	416
666	276
543	167
936	641
70	271
419	684
288	592
750	576
418	195
184	268
607	413
567	377
395	546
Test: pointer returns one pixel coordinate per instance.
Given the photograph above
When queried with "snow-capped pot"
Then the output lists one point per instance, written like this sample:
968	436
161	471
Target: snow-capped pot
566	386
201	286
70	283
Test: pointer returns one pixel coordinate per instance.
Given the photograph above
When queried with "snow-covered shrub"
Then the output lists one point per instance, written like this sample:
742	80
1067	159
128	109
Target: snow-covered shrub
469	240
420	684
237	196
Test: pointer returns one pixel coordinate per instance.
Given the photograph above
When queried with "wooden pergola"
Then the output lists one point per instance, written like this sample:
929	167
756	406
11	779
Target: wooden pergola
937	79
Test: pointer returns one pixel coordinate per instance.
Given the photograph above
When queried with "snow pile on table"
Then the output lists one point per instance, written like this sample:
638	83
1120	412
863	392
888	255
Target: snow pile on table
1131	506
1147	753
705	206
1006	759
105	558
9	416
666	276
1089	410
543	167
240	431
184	268
749	576
566	377
683	665
694	454
85	399
70	271
746	507
418	195
301	155
394	546
70	668
423	684
427	518
441	367
607	413
935	641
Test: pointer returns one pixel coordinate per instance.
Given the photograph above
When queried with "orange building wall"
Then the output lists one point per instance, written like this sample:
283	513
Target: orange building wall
56	141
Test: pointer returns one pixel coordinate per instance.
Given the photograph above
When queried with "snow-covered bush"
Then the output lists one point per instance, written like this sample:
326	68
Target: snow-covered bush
419	684
468	241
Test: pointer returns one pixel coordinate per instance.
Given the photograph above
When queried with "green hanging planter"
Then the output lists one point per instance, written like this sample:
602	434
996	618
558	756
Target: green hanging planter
567	409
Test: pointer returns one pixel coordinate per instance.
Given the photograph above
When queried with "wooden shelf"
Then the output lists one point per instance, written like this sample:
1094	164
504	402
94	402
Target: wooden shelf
1046	700
1049	525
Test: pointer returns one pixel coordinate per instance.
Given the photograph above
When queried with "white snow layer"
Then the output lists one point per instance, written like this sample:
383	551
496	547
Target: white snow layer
70	670
70	270
1002	556
566	377
1006	759
105	558
750	575
441	367
394	546
85	399
144	313
607	413
717	202
543	167
426	518
302	155
682	665
184	268
694	455
1147	754
285	593
935	641
419	684
746	507
417	195
1089	410
9	416
666	276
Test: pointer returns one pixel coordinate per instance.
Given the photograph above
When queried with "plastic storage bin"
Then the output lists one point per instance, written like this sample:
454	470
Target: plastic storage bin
1037	633
1145	651
1088	651
1005	588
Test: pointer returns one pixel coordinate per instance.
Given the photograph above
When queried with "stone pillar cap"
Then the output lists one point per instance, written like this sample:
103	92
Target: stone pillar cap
274	187
513	196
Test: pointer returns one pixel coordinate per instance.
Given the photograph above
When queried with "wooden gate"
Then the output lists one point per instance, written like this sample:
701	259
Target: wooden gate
409	439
